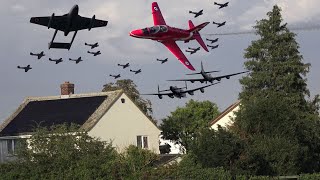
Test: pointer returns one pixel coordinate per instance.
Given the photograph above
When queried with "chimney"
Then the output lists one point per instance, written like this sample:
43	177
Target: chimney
67	88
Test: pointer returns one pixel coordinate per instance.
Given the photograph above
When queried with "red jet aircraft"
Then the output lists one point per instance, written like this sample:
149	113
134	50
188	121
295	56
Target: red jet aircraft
168	35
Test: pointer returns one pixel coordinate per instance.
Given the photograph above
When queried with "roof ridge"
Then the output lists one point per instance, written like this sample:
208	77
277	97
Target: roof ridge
225	112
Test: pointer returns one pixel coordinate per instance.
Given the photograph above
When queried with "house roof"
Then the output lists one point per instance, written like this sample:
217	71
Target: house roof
224	113
165	159
82	109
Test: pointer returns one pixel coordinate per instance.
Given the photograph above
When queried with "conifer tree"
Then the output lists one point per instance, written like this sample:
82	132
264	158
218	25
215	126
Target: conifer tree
280	126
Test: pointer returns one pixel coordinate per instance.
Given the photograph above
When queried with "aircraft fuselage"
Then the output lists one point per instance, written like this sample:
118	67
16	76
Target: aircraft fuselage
177	92
163	33
73	13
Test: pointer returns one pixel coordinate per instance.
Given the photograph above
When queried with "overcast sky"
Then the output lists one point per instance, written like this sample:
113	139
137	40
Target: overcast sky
19	38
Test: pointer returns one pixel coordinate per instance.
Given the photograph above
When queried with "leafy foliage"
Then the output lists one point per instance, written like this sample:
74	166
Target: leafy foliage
275	119
128	86
184	123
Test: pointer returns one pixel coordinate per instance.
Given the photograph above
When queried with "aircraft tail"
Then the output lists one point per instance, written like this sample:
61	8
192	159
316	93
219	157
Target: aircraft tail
196	35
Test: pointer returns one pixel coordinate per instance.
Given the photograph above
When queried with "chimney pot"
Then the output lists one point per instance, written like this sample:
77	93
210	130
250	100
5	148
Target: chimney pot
67	88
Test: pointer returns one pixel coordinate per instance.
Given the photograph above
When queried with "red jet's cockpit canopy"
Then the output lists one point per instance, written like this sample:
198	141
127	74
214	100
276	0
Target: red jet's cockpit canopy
155	30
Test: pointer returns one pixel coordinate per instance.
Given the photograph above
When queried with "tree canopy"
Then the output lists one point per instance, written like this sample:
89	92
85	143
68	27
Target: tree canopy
183	124
130	88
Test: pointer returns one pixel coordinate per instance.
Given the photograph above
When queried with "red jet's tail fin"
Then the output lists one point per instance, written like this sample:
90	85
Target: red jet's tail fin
196	35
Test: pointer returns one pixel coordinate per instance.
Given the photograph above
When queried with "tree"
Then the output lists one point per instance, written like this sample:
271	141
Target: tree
275	119
183	124
128	86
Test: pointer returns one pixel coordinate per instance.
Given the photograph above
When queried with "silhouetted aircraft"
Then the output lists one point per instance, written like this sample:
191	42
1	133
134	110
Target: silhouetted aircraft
57	61
163	60
92	45
26	68
206	77
213	47
179	92
124	65
192	50
95	53
221	5
196	14
115	76
39	55
219	24
136	72
76	60
213	40
67	23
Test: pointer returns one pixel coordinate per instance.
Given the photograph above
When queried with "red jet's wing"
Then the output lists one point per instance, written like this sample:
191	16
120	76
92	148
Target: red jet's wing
174	48
157	16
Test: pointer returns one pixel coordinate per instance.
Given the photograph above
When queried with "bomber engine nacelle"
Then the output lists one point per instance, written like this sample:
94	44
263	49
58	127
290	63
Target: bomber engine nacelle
171	96
202	90
160	96
228	77
91	22
191	93
50	21
219	79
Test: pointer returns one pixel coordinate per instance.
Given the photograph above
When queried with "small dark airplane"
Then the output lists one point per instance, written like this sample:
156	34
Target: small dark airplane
76	60
213	40
92	45
57	61
163	60
206	77
68	23
179	92
115	76
95	53
196	14
26	68
219	24
136	72
124	65
39	55
213	47
192	50
221	5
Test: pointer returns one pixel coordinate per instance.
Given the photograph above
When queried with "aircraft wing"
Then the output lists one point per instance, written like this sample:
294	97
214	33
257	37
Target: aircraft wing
58	22
174	48
196	89
228	75
87	23
193	80
162	94
157	15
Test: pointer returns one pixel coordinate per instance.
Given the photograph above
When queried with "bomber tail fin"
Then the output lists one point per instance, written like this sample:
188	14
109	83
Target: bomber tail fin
196	34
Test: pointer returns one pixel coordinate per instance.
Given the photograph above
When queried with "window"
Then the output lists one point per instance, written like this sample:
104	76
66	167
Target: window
142	142
11	146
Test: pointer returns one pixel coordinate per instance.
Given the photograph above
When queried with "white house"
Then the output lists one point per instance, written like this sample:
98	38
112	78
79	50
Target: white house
225	118
110	116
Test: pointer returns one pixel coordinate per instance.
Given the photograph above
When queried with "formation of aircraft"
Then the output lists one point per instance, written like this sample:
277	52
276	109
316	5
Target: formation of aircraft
136	72
57	61
167	35
213	40
26	68
221	5
124	65
163	60
196	14
192	50
94	53
76	60
213	47
115	76
39	55
206	76
177	92
92	45
68	23
219	24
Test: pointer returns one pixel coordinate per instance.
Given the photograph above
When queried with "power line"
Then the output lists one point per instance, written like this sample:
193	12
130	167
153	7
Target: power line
307	28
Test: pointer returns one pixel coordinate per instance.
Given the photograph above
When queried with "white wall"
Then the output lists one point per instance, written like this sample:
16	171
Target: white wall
226	120
122	123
